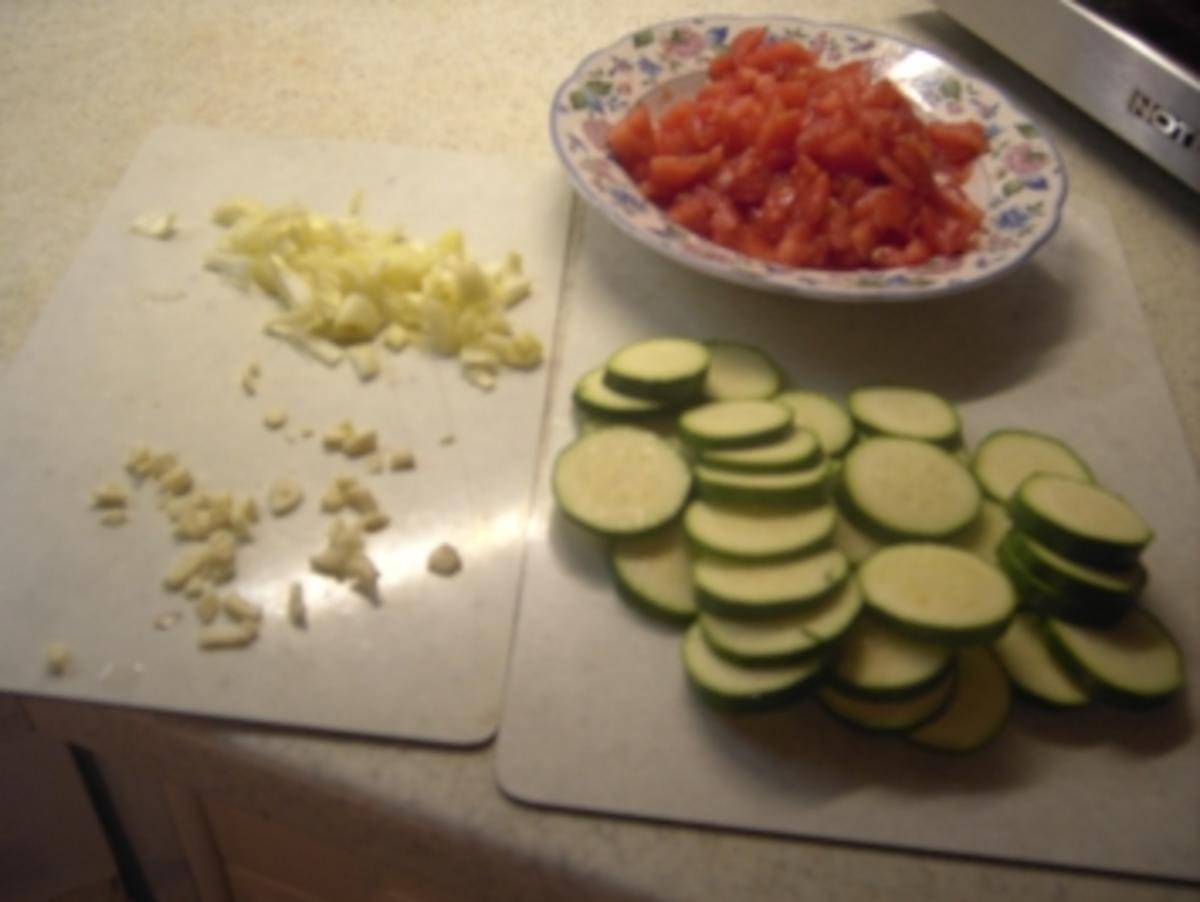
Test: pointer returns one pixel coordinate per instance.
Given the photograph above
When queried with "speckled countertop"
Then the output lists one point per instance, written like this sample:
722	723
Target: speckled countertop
82	84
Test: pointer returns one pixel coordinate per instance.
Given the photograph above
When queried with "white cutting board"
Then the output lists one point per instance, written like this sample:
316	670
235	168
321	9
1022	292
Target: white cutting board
141	345
597	714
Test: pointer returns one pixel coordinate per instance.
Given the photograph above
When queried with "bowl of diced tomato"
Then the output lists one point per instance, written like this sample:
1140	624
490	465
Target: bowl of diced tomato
820	160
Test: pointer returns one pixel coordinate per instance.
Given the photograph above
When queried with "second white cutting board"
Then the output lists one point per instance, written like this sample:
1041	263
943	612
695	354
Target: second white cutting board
140	345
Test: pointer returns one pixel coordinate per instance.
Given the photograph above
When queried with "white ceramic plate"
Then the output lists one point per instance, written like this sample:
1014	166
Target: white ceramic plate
1020	183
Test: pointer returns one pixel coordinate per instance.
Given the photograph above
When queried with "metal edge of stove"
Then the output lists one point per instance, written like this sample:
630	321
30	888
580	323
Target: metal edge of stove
1121	81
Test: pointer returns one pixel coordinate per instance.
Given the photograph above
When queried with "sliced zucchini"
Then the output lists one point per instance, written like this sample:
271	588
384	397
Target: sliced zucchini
1080	520
757	533
823	415
984	535
1033	667
906	412
852	541
938	592
978	707
593	395
786	638
876	661
798	450
734	424
796	488
740	372
621	481
1007	457
664	369
889	715
726	587
653	573
900	488
1136	662
729	685
1108	592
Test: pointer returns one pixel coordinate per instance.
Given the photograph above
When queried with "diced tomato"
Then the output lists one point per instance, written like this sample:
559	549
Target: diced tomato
632	138
957	142
669	174
784	160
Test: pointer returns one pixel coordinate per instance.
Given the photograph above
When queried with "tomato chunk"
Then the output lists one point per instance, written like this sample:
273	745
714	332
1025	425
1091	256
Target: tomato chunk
785	160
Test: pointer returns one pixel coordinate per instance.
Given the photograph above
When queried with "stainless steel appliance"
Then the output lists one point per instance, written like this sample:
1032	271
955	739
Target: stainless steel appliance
1134	65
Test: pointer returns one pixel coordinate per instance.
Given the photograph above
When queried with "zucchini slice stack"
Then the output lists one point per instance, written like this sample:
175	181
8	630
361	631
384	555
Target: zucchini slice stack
860	553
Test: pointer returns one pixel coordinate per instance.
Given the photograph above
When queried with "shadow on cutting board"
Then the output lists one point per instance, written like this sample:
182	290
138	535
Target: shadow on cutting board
965	346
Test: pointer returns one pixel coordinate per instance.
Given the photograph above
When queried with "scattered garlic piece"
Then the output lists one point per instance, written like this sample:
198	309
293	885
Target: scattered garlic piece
335	438
365	361
297	611
284	496
344	558
208	607
154	225
447	439
176	481
238	635
376	521
250	379
58	659
110	495
395	337
361	444
116	517
214	561
239	610
275	418
402	459
444	560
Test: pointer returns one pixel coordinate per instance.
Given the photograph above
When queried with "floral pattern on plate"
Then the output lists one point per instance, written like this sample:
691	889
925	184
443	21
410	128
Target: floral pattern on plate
1020	183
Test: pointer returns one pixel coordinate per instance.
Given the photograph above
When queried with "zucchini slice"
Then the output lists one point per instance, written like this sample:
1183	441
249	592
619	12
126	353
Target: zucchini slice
740	372
757	533
905	412
1109	592
984	535
823	415
938	592
1080	520
734	424
796	488
621	481
797	451
594	396
787	638
1033	668
852	541
653	573
901	488
877	661
1136	662
1007	457
978	707
726	587
729	685
663	369
889	715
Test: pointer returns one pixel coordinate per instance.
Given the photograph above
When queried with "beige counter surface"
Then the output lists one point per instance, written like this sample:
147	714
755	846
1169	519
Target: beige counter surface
82	84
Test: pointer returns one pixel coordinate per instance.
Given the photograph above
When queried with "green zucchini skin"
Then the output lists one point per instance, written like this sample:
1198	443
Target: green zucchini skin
798	488
682	387
797	681
1104	688
982	691
889	716
637	596
1096	551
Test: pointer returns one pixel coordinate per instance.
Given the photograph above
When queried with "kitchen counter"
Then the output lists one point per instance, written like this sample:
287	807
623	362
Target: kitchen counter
81	85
